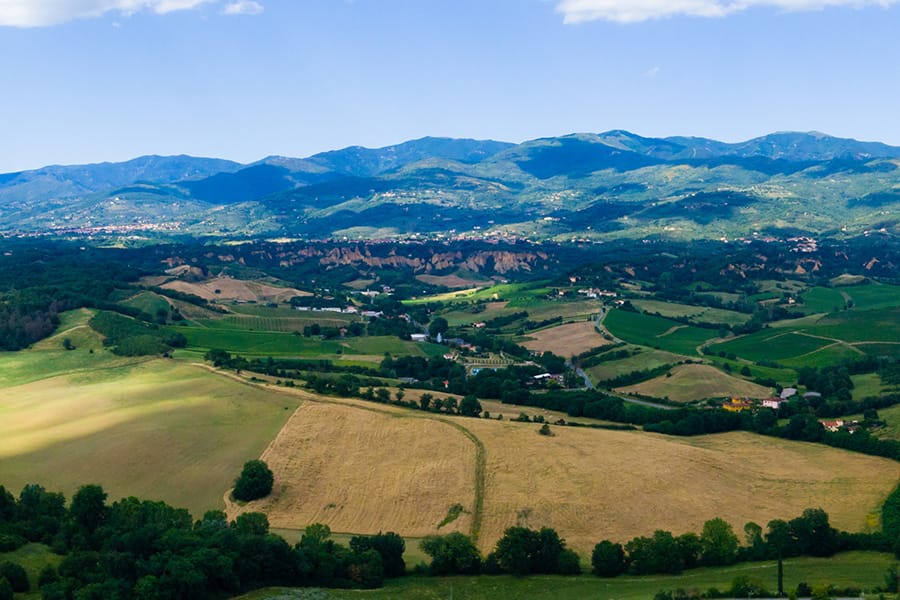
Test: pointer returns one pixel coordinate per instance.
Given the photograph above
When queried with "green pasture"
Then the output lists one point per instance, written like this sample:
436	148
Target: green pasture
873	295
784	376
277	324
649	359
157	429
695	313
656	332
771	344
827	355
73	325
891	418
822	300
257	343
33	558
391	344
149	302
17	368
875	325
865	386
876	349
858	569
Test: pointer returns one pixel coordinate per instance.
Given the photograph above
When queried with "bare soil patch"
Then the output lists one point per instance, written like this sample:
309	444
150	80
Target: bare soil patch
566	340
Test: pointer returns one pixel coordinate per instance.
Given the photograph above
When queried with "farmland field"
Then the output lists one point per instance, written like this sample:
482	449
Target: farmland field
148	302
362	470
656	332
227	288
877	325
296	322
257	343
157	429
340	464
576	483
873	295
649	359
696	382
822	300
695	313
772	344
566	340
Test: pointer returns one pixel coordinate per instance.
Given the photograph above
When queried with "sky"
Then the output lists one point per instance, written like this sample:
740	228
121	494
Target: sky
86	81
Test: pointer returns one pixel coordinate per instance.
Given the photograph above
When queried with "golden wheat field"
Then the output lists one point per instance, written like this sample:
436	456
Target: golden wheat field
595	484
566	340
696	382
365	470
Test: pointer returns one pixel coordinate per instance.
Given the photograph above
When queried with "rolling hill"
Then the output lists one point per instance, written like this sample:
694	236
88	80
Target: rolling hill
593	186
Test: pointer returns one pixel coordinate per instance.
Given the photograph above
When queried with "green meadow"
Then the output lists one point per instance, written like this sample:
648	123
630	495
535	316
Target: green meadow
864	570
656	332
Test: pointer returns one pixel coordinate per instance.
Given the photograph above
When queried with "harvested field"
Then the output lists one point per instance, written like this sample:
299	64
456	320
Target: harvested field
235	289
593	484
157	429
566	340
696	382
363	470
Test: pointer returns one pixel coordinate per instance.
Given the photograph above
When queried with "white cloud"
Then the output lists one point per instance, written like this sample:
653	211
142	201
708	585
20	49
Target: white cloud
243	7
41	13
633	11
651	73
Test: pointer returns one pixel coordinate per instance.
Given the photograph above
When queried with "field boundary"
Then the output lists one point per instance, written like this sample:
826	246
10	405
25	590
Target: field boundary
480	475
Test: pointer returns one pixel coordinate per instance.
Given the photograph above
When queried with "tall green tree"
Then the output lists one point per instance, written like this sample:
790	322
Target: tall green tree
608	559
470	406
719	544
452	554
255	481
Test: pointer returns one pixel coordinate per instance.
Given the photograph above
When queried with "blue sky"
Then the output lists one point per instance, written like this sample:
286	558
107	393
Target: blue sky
92	80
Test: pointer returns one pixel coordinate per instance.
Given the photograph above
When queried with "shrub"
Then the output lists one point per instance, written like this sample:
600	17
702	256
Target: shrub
254	482
10	542
15	575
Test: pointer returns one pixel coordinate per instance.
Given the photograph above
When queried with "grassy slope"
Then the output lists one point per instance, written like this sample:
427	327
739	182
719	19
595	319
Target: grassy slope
656	332
345	461
363	468
695	313
156	429
33	558
696	382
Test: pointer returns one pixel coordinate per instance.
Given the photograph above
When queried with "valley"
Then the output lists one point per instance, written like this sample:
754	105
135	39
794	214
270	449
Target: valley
567	381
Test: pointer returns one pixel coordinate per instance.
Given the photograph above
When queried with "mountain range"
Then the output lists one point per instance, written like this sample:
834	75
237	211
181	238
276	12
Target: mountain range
582	186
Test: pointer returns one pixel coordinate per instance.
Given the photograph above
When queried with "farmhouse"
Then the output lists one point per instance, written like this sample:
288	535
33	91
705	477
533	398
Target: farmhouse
774	402
833	426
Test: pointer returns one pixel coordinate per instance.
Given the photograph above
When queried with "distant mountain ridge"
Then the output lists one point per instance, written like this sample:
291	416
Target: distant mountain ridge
592	186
